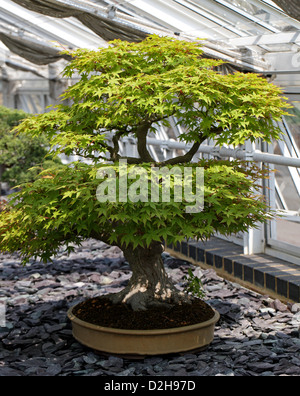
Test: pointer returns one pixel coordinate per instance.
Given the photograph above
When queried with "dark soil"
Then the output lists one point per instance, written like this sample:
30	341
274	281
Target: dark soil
100	311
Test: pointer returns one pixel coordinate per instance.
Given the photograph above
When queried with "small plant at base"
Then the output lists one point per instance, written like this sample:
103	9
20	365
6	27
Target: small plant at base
194	285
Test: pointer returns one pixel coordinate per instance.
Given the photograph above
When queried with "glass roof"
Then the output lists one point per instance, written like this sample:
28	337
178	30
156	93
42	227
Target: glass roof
251	16
265	14
232	28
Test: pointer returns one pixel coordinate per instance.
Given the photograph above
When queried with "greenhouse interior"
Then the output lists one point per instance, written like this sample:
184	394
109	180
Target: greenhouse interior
261	37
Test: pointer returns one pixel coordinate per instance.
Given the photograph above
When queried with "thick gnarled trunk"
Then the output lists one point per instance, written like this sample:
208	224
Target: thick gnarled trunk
149	285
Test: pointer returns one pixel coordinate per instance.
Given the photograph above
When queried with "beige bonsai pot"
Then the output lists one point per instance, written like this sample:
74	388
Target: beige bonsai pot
143	342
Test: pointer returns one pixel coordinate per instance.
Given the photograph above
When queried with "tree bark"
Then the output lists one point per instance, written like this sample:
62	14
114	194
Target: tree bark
149	285
186	157
2	169
141	134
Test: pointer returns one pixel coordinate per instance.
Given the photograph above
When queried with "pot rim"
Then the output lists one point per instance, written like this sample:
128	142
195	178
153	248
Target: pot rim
172	330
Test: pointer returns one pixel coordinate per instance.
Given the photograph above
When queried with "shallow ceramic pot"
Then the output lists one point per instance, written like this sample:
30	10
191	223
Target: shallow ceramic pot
143	342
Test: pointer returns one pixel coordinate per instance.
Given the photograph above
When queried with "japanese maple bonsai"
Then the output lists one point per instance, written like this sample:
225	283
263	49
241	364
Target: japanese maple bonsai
125	90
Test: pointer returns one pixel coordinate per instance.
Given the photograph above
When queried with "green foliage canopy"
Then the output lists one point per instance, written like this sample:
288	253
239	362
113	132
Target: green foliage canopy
126	89
61	207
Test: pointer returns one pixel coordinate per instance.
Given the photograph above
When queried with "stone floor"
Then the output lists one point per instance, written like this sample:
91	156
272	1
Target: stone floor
256	335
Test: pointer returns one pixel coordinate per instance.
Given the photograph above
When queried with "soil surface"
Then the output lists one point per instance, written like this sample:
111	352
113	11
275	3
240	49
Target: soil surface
100	311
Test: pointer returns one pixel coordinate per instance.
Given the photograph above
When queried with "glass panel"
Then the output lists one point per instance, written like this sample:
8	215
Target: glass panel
287	190
280	47
293	121
282	24
243	5
288	231
287	196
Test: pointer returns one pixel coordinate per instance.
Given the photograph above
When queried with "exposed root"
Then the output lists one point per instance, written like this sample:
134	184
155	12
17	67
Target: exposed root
139	298
149	285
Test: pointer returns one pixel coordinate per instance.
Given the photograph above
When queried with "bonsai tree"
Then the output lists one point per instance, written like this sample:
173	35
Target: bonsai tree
126	90
21	156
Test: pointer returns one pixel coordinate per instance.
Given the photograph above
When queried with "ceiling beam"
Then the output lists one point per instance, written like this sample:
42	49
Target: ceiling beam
266	39
250	17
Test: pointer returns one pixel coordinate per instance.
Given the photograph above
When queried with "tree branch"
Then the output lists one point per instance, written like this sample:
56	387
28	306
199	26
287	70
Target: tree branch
216	130
132	160
114	153
186	157
141	134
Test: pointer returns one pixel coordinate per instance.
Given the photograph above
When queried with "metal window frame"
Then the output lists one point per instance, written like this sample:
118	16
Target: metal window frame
275	247
217	19
275	10
267	39
248	16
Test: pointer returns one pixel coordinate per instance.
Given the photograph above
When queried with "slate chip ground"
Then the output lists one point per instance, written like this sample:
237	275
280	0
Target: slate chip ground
256	335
